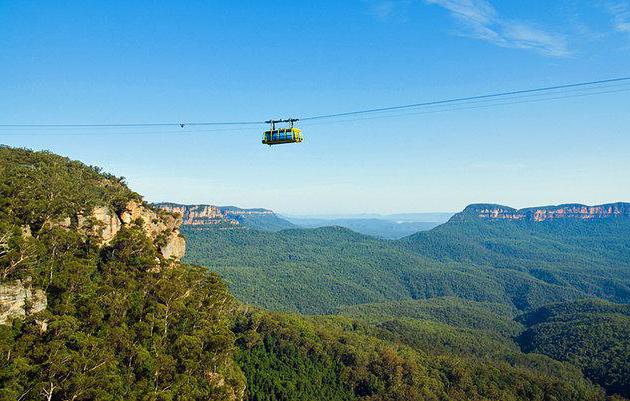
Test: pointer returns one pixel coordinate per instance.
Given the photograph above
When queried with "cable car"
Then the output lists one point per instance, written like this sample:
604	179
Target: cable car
277	136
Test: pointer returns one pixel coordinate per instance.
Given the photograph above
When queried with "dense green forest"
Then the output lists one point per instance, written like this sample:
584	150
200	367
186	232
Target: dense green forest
120	320
310	271
592	334
287	357
488	316
590	257
523	265
457	289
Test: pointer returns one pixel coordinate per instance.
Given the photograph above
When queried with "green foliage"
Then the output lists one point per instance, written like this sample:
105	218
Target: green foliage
557	259
487	316
449	326
520	265
117	331
330	358
118	325
309	271
38	187
591	334
280	365
319	270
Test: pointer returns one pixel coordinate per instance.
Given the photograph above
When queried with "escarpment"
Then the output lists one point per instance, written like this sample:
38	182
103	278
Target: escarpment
160	226
94	303
102	224
213	215
44	199
545	213
19	298
203	217
196	214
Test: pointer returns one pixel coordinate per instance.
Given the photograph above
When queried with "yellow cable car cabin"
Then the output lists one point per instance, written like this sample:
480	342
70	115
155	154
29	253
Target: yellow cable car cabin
277	136
282	135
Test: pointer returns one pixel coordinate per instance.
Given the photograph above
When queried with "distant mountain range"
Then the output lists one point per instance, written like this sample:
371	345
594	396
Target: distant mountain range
227	216
429	217
393	226
542	213
520	262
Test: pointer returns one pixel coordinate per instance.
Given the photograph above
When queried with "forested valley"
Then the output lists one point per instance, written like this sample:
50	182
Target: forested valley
98	303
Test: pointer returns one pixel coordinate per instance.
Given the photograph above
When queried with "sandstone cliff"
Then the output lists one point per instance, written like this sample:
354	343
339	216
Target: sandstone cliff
18	299
198	214
103	224
193	215
159	225
544	213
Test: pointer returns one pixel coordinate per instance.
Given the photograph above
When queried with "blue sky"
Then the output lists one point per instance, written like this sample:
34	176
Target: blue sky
119	61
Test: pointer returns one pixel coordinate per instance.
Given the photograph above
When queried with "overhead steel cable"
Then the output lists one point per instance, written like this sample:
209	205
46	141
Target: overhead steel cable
468	98
132	125
461	101
125	133
469	106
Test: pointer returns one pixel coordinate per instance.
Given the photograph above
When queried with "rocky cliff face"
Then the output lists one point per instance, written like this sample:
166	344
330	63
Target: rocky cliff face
196	214
161	227
18	299
209	214
103	224
568	211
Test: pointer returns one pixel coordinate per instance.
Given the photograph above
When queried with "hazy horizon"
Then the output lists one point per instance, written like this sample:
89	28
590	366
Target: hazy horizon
372	214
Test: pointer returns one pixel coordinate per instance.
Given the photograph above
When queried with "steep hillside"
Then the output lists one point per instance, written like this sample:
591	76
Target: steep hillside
227	217
579	256
591	334
287	357
94	305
